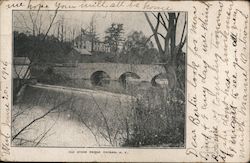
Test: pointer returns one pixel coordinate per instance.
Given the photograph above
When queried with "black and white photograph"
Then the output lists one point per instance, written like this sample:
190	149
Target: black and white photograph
113	79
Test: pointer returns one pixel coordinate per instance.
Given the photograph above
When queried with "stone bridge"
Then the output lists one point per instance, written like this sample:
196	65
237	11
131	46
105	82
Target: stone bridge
112	71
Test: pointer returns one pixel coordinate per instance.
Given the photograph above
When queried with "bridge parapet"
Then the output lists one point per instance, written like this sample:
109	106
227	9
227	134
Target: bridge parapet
114	70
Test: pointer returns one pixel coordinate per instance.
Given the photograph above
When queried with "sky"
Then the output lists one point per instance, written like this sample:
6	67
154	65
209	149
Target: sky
132	21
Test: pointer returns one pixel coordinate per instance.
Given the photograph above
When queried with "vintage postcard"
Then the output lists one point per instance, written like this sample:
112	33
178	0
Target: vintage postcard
124	81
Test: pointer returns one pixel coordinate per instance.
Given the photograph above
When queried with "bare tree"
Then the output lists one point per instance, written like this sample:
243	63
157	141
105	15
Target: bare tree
164	28
169	49
61	29
22	135
72	34
36	28
92	32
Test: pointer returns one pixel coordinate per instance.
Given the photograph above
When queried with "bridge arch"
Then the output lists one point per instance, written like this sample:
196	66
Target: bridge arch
99	78
124	77
160	80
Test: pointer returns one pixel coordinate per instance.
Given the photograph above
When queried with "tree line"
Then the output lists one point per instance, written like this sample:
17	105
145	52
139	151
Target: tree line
135	49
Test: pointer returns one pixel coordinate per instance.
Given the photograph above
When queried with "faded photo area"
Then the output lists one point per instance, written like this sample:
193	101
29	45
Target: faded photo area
99	79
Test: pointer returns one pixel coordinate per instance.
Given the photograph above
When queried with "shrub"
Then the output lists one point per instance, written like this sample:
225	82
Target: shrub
157	123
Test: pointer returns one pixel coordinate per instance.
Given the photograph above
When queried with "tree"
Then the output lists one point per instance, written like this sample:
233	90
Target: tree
138	50
20	135
114	37
170	52
173	60
89	34
92	32
41	37
61	32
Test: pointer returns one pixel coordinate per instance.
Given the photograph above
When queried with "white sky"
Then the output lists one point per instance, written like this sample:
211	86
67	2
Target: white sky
133	21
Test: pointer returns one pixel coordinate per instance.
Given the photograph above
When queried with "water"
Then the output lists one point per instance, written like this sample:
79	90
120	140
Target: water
65	131
93	117
115	86
77	123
